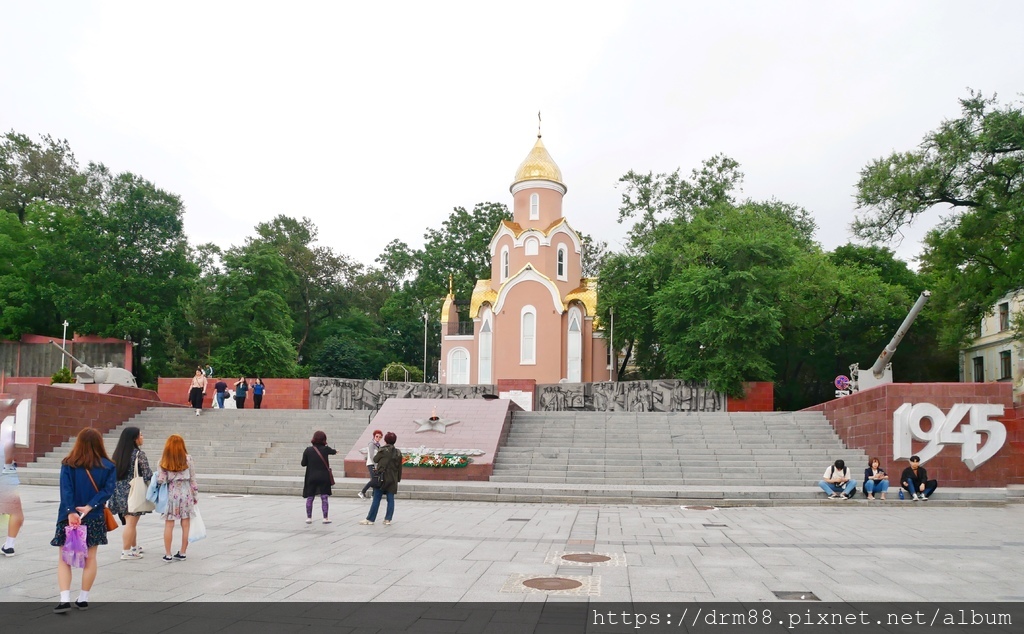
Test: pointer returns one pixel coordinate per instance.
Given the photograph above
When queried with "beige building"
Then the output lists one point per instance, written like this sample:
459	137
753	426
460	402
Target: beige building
995	355
534	317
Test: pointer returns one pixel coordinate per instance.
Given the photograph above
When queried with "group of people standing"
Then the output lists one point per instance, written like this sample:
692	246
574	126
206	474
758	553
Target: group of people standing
838	483
197	391
384	464
91	484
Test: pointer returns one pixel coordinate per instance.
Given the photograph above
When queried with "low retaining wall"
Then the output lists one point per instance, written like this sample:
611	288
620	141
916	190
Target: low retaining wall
280	393
59	412
865	420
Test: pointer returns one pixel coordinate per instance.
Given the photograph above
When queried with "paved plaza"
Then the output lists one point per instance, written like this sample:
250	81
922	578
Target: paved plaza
260	549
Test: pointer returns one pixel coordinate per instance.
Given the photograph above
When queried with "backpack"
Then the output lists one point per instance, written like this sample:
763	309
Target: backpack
832	472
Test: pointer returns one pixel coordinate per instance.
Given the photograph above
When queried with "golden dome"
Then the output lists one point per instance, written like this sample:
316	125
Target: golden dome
538	165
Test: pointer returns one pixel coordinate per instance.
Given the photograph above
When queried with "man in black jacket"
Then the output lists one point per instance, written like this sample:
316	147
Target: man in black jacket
915	480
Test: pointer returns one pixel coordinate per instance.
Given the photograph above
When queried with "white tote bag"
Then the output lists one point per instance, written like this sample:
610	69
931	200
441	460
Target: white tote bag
137	502
196	527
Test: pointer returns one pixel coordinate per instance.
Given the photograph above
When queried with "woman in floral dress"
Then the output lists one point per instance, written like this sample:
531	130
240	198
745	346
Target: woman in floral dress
127	457
177	472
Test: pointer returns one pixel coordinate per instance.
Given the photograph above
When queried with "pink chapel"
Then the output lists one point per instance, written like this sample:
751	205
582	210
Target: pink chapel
535	317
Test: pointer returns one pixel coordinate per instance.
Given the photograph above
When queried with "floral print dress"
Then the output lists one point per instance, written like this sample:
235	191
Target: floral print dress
118	503
181	491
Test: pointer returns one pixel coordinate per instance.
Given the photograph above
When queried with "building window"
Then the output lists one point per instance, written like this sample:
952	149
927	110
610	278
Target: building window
504	263
458	367
485	349
532	246
534	206
979	369
560	262
528	343
574	365
1005	371
1004	317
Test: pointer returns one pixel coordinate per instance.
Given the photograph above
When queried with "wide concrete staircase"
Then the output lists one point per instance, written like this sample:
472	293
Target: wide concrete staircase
688	449
234	451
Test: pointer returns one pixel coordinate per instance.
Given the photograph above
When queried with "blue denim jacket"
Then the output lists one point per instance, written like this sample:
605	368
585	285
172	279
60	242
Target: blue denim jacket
76	489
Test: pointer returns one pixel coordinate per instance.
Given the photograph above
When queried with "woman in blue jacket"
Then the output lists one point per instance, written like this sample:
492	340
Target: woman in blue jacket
87	480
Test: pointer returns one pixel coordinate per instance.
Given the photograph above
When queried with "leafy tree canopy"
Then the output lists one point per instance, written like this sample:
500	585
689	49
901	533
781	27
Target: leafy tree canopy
974	167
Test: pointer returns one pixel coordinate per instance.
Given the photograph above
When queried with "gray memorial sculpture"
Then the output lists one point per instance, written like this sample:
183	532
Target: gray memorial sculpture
664	395
331	393
108	375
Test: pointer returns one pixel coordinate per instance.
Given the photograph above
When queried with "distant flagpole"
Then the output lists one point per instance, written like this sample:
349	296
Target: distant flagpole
538	124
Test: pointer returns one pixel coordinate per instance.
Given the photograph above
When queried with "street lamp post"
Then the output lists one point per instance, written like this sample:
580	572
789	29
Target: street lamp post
424	347
63	343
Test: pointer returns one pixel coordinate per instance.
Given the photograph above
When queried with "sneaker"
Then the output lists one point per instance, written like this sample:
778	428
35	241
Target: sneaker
924	498
129	555
361	496
387	522
915	498
137	549
10	468
327	521
366	522
844	497
309	520
167	558
62	608
178	556
197	412
8	552
82	605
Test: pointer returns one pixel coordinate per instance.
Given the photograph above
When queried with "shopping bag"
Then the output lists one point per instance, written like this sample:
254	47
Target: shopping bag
138	493
74	551
196	527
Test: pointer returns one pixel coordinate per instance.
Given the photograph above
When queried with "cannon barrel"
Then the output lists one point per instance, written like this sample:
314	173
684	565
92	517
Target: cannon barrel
879	366
84	367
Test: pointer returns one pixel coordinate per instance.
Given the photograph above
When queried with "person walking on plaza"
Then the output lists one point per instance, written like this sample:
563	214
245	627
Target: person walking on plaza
914	481
371	450
241	388
177	471
837	481
197	390
258	390
220	389
10	500
389	474
87	480
876	480
129	460
318	478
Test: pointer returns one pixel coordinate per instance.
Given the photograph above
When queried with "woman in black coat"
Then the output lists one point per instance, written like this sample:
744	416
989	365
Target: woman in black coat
319	478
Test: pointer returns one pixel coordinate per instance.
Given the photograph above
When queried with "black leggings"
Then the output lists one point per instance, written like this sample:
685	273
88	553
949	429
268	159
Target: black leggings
256	400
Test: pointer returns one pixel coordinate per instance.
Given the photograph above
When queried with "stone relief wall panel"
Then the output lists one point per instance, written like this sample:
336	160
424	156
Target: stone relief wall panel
666	395
331	393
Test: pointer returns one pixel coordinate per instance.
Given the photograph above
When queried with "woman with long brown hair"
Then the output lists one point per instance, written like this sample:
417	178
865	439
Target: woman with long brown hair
87	480
130	460
177	472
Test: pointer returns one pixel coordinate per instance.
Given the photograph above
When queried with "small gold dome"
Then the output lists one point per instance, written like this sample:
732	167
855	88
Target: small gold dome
538	165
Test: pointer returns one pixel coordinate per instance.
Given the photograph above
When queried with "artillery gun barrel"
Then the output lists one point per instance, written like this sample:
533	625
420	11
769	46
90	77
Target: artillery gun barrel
890	349
85	367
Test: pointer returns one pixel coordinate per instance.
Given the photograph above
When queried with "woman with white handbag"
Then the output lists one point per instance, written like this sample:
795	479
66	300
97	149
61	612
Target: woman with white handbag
129	499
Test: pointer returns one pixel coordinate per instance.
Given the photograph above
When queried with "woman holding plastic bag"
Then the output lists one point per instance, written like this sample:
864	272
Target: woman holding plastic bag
177	472
87	480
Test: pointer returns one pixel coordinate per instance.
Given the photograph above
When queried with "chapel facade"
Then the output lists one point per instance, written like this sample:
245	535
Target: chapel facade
535	317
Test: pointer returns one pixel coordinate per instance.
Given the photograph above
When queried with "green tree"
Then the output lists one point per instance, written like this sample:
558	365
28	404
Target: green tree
973	166
44	171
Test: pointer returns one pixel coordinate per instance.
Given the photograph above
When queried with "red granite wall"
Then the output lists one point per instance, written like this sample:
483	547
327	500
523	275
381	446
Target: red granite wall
864	420
757	397
60	412
280	394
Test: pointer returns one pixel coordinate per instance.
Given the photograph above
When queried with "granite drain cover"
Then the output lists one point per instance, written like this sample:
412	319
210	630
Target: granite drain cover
552	583
699	508
586	558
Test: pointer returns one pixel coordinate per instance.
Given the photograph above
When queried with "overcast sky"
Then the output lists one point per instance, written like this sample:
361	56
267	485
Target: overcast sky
376	119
